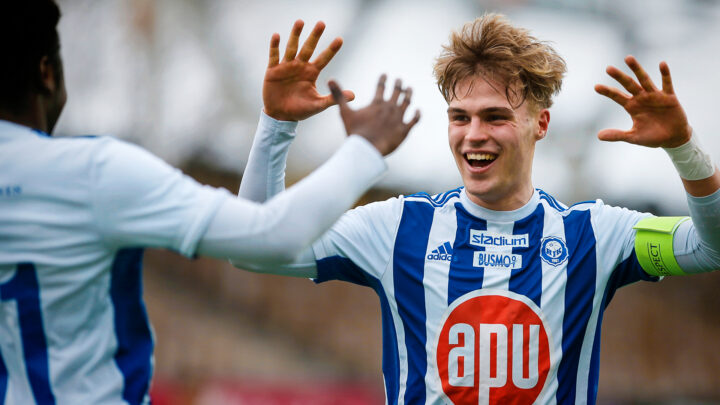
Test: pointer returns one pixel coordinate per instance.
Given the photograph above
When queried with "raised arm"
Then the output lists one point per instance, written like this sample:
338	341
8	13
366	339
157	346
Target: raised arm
660	121
289	95
264	237
671	245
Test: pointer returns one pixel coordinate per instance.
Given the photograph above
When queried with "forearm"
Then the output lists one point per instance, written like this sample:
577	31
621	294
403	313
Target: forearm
695	167
278	231
264	174
695	244
303	266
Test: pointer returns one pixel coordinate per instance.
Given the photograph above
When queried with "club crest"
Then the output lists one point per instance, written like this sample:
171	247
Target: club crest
553	250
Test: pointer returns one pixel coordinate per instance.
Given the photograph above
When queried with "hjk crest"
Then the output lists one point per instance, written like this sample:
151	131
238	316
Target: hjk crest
553	250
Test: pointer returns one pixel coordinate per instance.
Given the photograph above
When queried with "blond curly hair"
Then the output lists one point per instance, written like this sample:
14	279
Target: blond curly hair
492	48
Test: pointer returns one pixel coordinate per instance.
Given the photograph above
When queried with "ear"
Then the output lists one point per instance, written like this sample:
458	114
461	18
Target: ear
543	122
48	80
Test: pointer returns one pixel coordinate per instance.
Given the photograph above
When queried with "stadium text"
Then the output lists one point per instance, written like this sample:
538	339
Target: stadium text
489	239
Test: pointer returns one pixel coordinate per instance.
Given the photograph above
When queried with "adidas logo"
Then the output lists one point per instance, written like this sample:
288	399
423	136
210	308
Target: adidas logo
442	252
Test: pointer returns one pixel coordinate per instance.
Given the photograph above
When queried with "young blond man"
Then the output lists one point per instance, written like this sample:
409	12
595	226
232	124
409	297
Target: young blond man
494	293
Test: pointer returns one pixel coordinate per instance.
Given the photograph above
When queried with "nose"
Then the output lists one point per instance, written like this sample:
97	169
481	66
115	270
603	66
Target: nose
478	132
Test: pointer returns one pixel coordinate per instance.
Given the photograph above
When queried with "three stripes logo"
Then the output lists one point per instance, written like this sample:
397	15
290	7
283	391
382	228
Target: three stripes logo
442	253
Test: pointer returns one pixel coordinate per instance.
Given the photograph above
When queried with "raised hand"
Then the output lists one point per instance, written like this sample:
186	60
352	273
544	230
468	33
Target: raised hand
289	91
381	122
658	118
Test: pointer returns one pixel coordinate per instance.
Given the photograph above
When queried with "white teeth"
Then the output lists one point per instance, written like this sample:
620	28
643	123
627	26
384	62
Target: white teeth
480	156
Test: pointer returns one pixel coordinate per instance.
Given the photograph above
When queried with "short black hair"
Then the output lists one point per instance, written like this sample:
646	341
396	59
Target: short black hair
28	32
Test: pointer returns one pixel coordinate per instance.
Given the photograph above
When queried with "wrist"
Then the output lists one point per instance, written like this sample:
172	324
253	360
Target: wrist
691	161
277	115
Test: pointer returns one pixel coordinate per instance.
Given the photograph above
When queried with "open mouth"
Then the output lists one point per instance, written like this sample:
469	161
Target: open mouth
480	159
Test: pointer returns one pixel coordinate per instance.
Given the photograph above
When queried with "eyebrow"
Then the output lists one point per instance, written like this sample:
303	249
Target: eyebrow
488	110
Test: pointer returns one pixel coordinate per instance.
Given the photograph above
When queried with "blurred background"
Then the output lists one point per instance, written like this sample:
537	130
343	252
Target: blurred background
183	79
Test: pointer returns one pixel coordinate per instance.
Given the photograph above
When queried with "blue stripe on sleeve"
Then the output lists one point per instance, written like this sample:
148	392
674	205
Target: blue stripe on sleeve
341	268
135	344
463	277
408	272
527	280
579	293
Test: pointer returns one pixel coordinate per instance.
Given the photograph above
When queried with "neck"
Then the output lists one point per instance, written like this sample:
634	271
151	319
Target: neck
33	116
504	203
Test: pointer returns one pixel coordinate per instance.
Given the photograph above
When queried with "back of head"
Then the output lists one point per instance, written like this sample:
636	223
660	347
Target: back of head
492	48
27	33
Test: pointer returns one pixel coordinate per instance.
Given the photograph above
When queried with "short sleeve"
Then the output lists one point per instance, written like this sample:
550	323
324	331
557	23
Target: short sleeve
360	244
616	244
139	200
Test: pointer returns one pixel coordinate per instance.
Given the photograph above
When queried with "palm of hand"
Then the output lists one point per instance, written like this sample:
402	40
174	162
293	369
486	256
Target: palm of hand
658	120
289	91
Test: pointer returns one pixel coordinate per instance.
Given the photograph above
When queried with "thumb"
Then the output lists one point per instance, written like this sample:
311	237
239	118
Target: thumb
612	135
329	100
339	96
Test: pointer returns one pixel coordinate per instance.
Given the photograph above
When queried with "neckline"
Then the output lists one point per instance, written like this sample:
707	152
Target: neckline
500	216
9	128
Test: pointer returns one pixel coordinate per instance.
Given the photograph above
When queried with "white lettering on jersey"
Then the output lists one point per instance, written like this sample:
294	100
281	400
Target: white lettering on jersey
497	376
493	348
462	355
494	240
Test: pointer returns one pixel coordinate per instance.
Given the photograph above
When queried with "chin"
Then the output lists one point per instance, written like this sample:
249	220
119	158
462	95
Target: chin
481	191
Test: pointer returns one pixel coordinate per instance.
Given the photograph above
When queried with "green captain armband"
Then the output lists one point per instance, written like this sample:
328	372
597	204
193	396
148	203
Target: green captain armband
654	245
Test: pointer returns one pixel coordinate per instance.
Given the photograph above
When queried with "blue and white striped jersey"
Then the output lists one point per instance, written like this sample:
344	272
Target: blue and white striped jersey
482	306
74	216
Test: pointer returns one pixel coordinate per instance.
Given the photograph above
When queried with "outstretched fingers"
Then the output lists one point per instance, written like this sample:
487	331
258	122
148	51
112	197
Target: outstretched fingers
612	93
667	84
380	90
613	135
339	96
326	56
396	91
274	50
406	100
626	81
292	45
413	121
311	42
640	73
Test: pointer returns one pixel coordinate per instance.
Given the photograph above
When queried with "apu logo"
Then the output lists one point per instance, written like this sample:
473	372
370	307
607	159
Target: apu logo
442	252
493	348
553	250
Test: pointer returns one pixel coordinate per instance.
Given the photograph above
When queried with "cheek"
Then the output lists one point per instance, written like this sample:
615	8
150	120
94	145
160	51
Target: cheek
455	137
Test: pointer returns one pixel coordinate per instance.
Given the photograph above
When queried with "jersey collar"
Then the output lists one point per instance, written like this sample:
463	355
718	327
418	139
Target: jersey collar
500	216
9	129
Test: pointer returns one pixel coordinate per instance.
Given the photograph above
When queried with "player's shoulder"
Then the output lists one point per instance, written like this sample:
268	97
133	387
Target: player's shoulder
392	209
600	212
553	204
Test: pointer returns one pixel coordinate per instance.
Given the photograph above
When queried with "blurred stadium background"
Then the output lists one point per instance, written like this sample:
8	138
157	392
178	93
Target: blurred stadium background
183	78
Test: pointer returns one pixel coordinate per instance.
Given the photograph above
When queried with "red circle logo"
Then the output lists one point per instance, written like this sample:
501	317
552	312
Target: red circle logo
493	349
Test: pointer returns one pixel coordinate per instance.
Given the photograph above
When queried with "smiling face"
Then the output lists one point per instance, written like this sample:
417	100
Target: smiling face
494	143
